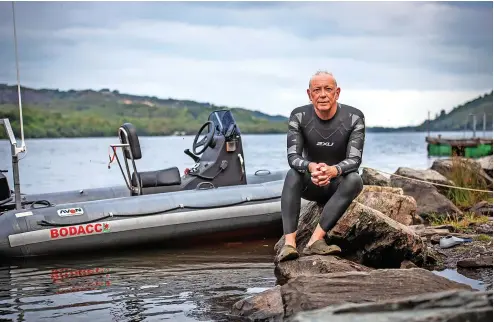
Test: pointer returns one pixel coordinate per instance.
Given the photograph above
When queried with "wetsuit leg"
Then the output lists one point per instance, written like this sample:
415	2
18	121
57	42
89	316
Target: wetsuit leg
291	199
342	191
336	196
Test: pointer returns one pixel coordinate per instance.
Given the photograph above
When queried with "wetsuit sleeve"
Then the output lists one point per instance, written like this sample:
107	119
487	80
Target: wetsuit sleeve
355	147
295	143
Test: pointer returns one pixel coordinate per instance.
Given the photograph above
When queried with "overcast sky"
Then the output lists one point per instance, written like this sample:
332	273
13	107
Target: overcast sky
393	60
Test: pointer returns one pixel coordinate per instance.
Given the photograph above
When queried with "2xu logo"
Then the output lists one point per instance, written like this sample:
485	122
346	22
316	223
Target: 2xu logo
80	230
68	212
320	143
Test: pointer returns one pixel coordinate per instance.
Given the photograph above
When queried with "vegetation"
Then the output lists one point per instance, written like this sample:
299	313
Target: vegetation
460	224
89	113
464	173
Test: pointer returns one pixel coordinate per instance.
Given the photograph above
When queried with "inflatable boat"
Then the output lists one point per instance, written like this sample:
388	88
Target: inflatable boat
212	198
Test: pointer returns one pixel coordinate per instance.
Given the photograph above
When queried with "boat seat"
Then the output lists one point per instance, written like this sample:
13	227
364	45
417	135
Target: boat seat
158	178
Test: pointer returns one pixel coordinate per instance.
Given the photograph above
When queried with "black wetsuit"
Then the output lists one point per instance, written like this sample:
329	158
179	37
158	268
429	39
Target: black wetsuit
337	142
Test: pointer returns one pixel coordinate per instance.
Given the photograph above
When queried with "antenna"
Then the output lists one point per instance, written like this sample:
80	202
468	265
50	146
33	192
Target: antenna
23	145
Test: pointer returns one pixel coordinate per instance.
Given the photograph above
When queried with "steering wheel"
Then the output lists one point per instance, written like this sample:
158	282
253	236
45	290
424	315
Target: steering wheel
206	141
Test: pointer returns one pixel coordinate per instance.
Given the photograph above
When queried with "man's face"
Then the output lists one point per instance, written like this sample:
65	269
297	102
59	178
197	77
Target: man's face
323	92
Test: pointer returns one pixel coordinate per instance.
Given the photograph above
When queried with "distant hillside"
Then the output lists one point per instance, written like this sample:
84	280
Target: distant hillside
89	113
454	120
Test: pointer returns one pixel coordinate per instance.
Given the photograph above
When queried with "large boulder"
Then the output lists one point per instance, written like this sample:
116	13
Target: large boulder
309	293
365	235
429	199
396	206
374	178
427	175
305	293
445	306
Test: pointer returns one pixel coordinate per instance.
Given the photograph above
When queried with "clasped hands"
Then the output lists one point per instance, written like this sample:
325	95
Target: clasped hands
321	173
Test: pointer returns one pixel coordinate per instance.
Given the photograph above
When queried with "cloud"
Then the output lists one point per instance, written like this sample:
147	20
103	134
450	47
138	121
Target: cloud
394	61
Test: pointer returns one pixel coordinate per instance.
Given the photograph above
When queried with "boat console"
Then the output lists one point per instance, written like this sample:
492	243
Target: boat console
218	158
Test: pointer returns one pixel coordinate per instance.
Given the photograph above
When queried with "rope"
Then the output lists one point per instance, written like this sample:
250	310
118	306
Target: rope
433	183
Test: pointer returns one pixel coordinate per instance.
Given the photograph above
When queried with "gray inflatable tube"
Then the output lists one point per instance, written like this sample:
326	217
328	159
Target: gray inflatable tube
93	225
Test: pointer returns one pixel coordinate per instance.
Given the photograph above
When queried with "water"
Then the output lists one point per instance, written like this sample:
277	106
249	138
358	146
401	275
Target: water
153	284
453	274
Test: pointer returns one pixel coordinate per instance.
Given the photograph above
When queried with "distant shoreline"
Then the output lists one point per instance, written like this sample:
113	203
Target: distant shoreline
479	134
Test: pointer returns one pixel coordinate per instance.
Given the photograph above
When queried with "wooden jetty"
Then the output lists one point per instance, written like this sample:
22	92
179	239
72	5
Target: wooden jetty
473	147
468	147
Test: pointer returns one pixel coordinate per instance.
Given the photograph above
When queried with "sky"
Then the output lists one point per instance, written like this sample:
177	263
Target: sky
395	61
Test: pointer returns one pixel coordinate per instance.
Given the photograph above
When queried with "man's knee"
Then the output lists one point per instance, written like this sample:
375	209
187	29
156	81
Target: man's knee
353	183
293	178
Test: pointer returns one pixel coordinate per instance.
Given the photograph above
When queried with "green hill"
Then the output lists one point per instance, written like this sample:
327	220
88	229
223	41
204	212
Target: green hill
89	113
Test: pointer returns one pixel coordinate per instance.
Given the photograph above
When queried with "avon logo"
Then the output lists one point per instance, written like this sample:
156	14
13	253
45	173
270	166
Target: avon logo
325	143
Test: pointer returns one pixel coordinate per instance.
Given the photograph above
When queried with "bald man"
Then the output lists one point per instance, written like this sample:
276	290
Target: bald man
325	143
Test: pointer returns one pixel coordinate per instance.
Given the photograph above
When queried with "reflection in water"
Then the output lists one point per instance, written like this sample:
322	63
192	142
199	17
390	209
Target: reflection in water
179	285
454	275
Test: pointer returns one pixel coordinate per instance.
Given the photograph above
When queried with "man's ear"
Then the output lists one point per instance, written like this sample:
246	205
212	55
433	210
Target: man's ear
308	94
338	90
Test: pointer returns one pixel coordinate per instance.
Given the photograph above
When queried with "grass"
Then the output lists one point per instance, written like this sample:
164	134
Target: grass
483	238
460	224
465	173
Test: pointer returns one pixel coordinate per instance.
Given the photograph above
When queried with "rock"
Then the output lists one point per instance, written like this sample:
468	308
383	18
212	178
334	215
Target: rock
482	208
407	265
398	207
484	228
468	167
429	199
313	265
374	178
446	306
266	305
315	292
428	175
481	261
486	164
365	235
370	188
375	239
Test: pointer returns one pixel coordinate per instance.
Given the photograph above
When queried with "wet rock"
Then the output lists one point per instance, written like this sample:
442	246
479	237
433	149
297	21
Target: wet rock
266	305
398	207
374	178
446	306
314	265
315	292
482	208
429	200
481	261
486	164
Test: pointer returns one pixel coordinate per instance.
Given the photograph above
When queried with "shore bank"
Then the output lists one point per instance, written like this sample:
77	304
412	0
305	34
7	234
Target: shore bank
396	238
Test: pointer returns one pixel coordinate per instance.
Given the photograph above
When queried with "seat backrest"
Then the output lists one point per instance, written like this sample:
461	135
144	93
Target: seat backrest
128	135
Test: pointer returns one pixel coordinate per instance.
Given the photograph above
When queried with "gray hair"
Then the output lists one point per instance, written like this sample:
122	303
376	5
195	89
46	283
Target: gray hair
323	72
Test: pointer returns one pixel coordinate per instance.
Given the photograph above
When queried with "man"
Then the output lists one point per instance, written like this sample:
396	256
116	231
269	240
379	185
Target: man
325	142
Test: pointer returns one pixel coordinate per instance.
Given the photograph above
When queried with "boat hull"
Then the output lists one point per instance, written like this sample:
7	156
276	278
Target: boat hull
134	220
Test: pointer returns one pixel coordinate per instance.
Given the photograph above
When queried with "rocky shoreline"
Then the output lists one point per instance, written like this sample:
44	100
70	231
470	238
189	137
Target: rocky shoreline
392	237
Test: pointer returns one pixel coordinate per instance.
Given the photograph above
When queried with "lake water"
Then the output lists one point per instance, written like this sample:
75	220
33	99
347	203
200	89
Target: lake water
199	284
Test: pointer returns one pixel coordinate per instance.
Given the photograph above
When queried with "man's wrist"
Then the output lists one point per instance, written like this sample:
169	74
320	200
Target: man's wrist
338	170
309	165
